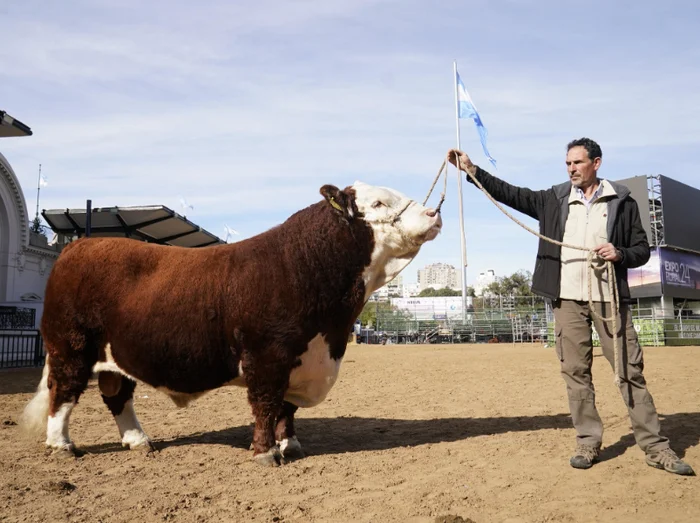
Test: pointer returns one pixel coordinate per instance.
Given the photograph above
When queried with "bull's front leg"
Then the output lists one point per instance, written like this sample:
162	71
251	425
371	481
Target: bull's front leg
265	449
267	381
285	434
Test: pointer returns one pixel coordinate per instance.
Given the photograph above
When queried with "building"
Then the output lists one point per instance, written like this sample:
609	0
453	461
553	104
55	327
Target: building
25	256
483	281
393	289
411	290
668	285
439	276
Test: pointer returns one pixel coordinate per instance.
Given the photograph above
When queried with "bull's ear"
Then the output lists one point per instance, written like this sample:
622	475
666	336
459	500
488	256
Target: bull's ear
339	200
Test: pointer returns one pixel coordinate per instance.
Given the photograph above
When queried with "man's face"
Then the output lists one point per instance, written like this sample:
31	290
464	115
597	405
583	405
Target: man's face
582	170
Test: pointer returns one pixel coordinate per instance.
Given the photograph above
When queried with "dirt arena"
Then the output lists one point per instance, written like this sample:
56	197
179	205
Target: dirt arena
409	433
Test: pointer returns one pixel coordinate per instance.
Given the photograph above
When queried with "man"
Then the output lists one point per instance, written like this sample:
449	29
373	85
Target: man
599	214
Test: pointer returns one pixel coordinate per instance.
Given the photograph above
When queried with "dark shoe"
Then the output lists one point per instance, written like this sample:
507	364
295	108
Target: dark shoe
585	457
667	460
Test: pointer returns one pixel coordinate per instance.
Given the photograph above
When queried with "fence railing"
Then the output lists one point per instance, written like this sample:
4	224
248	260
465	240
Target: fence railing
15	318
516	326
21	349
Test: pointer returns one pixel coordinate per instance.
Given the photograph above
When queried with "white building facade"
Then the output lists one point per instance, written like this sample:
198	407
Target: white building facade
484	280
25	257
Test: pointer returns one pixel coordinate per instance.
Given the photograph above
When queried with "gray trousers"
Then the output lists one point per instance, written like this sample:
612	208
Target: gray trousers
574	347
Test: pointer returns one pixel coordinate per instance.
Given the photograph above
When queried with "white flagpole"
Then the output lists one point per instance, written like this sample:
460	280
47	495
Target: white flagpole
38	190
463	236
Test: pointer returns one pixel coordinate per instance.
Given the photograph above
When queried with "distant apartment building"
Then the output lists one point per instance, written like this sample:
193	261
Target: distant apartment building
438	276
393	289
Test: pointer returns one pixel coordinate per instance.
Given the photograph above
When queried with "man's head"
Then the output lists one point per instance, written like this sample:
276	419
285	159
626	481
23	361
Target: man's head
583	159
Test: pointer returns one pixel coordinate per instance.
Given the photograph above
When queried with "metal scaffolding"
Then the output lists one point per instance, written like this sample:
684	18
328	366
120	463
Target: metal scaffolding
655	210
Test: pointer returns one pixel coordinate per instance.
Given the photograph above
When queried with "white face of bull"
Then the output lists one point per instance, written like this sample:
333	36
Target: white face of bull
400	225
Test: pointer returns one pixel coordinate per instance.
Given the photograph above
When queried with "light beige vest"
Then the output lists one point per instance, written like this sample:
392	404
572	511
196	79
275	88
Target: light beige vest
586	227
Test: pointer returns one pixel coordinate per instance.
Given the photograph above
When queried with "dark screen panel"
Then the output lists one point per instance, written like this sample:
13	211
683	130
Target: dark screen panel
638	187
681	211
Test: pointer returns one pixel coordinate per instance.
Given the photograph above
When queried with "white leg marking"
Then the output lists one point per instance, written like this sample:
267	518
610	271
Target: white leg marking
57	428
130	429
290	447
33	420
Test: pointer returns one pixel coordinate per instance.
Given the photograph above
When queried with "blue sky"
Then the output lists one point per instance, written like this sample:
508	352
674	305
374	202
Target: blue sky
247	108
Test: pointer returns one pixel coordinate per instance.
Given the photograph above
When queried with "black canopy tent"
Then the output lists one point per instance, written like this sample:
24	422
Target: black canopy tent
152	223
12	127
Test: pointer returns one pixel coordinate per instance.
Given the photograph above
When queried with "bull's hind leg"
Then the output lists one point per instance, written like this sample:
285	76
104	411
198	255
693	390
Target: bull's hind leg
118	394
285	434
68	375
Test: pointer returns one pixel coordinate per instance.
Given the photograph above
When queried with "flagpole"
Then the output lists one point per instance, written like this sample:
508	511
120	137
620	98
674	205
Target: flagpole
463	237
38	190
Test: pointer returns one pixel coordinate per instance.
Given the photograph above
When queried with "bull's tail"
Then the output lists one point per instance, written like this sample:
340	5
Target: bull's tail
36	413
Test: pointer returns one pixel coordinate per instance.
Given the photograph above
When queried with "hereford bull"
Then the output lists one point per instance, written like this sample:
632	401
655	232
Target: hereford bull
271	313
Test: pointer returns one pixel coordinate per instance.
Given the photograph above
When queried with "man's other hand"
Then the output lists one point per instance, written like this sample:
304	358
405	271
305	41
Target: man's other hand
608	252
465	164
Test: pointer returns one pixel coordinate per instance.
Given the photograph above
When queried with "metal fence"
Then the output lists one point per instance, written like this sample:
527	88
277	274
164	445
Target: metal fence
21	349
477	327
519	325
16	318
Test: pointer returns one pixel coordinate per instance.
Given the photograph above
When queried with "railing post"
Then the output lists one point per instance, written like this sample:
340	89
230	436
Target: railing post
38	350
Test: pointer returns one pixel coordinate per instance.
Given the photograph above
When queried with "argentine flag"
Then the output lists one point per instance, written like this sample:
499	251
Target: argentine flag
466	109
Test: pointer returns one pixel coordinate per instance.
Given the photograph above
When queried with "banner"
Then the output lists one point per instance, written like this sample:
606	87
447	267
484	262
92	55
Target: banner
645	281
680	274
432	308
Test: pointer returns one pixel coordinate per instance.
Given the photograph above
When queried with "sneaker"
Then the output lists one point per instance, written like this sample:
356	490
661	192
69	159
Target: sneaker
585	457
667	460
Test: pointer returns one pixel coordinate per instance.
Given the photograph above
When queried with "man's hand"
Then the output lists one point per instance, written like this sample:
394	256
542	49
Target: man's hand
465	164
608	252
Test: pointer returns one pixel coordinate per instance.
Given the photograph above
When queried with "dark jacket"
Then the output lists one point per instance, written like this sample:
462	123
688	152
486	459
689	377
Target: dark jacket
551	208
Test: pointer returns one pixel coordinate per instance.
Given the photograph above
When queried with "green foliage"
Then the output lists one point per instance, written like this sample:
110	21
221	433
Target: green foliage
369	313
445	291
517	284
37	226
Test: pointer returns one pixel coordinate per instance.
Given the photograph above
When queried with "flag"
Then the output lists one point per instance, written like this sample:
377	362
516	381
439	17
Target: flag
228	231
467	109
42	180
185	205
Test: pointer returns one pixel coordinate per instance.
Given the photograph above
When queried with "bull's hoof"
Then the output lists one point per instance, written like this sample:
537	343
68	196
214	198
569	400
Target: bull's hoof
136	439
67	451
291	449
271	458
145	447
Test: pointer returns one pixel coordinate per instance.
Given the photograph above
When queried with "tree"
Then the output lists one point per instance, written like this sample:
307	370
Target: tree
445	291
36	226
517	284
368	316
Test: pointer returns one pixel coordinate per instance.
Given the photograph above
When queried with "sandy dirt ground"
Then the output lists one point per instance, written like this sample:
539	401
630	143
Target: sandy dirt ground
409	433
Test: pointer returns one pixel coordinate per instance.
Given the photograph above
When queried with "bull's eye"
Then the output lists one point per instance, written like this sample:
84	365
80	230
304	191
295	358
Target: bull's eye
377	204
